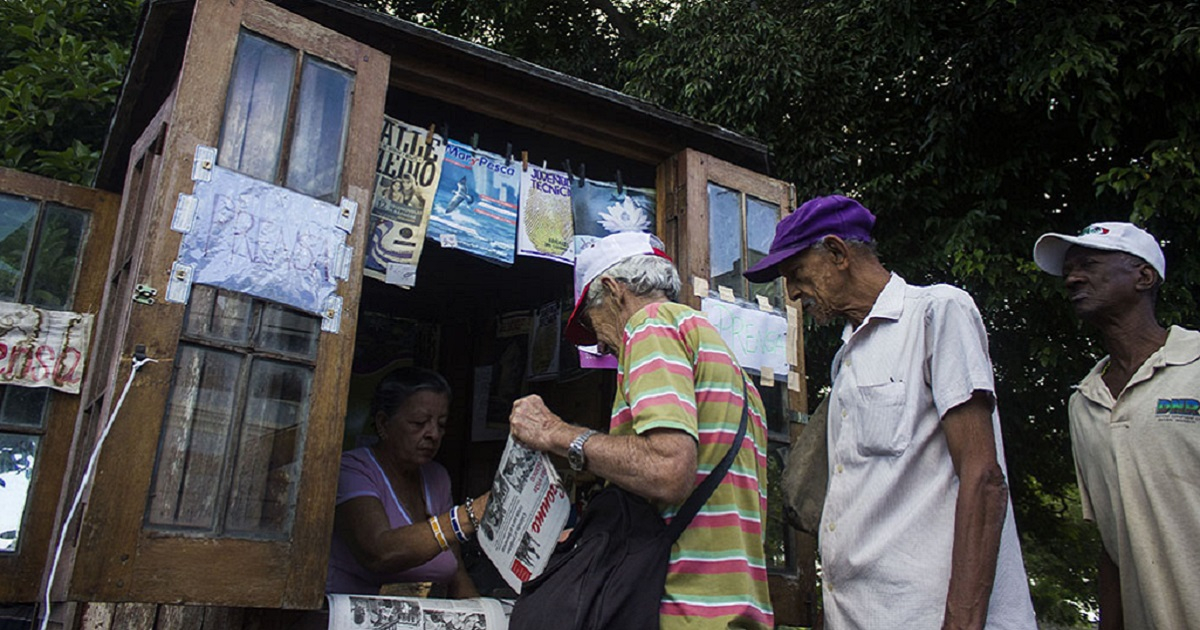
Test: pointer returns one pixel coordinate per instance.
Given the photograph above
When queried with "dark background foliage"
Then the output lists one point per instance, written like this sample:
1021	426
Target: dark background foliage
970	128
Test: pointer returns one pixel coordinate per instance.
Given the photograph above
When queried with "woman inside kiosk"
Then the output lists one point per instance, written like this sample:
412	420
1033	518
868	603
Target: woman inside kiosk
395	520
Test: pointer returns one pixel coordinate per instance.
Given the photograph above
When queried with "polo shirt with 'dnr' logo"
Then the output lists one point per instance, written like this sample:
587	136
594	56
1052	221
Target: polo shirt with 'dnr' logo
1137	457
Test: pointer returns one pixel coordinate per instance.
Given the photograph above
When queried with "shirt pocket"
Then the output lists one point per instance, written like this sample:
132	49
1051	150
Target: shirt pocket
882	430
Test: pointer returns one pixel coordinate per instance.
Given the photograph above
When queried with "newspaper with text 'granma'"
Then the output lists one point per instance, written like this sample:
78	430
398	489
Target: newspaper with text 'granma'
525	515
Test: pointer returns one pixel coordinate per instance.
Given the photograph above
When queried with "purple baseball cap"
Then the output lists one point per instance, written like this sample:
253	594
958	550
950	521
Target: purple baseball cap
834	215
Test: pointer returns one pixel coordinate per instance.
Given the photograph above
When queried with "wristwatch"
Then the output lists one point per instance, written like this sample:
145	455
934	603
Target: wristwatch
575	451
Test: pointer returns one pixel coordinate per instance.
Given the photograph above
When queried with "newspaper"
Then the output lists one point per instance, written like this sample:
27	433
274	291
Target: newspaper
525	515
366	612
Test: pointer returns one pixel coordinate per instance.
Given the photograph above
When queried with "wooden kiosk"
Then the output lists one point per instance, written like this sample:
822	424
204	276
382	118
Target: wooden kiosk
211	503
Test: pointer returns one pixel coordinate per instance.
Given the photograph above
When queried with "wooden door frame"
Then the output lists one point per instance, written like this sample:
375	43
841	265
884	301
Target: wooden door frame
24	569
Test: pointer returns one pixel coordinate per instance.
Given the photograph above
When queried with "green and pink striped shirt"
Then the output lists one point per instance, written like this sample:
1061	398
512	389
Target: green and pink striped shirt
675	372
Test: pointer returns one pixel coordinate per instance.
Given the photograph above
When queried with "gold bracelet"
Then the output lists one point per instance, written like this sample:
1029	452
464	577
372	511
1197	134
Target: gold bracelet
437	533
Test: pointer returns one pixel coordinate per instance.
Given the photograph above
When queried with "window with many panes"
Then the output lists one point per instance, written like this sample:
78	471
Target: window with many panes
40	244
230	452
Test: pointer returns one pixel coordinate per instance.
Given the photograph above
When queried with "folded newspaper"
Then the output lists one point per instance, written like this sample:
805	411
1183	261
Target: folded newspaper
374	612
525	515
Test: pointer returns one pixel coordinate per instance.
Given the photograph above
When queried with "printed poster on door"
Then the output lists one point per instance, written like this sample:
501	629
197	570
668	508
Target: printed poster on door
41	348
475	209
406	179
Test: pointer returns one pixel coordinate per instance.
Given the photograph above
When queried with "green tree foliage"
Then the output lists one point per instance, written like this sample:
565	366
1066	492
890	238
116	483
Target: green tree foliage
971	128
61	65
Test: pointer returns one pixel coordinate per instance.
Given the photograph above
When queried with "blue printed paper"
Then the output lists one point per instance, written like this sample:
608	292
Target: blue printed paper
475	208
602	208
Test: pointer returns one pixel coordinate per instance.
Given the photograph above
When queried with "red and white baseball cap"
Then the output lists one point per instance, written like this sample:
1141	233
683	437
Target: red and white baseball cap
1051	249
594	259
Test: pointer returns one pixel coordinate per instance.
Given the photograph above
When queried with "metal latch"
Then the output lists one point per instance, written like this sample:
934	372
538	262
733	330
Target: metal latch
144	294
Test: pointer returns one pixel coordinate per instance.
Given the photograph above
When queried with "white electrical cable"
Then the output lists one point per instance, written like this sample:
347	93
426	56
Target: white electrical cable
83	483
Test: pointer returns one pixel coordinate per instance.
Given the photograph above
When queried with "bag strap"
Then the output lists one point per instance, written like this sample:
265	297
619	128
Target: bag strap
701	494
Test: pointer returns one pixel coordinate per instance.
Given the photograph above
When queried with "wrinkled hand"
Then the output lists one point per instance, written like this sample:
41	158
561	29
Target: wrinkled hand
535	426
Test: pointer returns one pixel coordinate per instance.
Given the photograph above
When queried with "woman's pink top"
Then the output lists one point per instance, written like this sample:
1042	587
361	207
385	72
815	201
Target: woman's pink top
362	476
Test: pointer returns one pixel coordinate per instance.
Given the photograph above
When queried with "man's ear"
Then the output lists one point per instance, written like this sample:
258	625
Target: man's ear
838	249
612	288
1147	277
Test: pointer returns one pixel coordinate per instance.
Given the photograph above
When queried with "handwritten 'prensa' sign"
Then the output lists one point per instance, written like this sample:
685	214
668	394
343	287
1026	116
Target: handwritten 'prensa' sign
40	348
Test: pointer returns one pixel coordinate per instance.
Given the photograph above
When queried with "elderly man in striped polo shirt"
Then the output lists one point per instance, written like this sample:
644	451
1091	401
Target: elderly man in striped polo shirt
679	401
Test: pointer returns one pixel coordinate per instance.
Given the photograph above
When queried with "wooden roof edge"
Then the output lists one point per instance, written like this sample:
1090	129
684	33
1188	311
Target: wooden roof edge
110	173
694	133
737	144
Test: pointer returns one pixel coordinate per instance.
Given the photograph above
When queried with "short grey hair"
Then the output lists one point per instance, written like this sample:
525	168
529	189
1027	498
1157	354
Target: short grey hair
644	274
857	244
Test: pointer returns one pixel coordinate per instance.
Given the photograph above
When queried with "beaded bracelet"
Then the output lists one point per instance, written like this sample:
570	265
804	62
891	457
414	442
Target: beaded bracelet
437	533
458	532
470	503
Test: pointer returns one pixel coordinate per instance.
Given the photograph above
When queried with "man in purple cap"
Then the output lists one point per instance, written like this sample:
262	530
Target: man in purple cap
916	529
1135	427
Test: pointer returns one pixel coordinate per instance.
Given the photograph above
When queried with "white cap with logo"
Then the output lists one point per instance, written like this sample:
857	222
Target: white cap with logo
1051	249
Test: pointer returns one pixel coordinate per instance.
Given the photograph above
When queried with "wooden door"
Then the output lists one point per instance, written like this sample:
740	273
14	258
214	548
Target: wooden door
717	219
217	481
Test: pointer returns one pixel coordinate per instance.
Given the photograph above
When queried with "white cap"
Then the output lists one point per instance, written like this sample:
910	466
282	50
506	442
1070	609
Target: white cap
595	258
1051	249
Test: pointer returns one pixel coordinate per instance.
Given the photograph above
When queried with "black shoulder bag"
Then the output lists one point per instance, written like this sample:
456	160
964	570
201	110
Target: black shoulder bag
611	571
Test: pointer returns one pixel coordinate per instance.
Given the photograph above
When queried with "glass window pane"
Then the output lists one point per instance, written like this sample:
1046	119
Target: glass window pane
725	238
256	107
17	218
319	140
219	314
17	455
761	217
776	407
56	259
289	332
778	545
263	497
25	406
195	439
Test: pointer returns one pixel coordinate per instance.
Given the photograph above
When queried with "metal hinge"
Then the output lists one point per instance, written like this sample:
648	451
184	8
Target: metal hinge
144	294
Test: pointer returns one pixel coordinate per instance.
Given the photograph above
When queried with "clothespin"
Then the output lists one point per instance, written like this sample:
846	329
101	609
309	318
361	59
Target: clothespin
475	141
567	168
620	184
446	131
525	161
508	155
429	134
582	173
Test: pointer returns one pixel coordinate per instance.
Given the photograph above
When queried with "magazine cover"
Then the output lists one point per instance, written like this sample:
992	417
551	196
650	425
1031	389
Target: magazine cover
543	345
546	229
406	177
502	379
476	205
601	209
